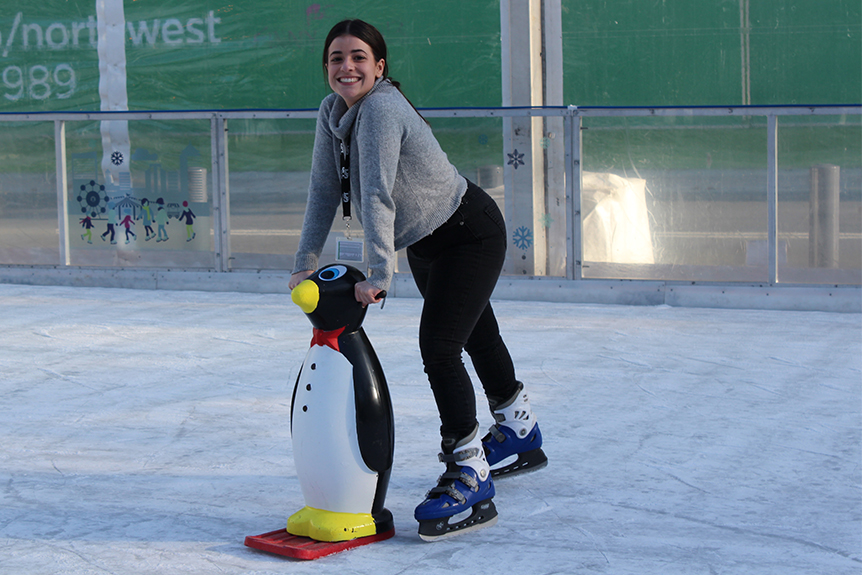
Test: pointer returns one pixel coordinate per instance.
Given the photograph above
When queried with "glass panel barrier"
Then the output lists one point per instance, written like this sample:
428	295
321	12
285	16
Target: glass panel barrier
153	209
475	147
667	195
28	194
820	199
675	198
270	162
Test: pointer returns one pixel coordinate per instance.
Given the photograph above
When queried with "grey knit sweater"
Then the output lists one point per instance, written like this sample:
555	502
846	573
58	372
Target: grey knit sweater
402	185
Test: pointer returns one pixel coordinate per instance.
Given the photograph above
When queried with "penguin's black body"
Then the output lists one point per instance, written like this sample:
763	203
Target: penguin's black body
341	416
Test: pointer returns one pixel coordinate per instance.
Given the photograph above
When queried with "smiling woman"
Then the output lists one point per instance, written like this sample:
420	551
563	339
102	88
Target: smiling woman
354	52
352	68
373	149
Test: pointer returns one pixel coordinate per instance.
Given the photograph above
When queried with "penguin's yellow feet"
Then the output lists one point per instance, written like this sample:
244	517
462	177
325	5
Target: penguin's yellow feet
322	525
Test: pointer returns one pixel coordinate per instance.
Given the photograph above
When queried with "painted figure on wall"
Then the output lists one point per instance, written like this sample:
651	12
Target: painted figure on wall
87	224
112	221
128	222
189	218
161	220
147	217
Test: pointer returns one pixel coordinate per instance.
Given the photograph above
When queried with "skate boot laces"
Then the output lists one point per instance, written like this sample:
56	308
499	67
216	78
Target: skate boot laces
466	480
446	482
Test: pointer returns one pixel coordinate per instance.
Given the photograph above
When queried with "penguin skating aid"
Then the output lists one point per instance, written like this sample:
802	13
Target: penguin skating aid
342	428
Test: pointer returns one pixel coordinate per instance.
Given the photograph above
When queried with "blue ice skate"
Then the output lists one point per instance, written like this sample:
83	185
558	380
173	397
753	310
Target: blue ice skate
466	488
514	444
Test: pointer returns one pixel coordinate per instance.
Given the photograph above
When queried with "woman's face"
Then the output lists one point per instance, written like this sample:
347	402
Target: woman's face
351	68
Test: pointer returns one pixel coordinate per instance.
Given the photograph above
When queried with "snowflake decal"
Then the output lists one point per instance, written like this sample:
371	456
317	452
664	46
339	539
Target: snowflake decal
116	158
545	143
483	140
92	198
523	237
546	220
516	159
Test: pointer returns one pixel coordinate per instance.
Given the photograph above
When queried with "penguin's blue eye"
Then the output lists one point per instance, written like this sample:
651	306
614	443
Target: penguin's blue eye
332	273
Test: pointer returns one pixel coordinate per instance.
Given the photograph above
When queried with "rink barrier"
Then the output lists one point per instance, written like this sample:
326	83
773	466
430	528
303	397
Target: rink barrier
571	285
835	298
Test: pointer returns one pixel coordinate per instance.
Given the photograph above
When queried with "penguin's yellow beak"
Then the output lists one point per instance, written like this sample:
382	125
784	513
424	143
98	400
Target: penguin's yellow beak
306	295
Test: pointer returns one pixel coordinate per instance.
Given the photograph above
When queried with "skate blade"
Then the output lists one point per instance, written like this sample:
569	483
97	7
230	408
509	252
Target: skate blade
527	462
490	523
484	514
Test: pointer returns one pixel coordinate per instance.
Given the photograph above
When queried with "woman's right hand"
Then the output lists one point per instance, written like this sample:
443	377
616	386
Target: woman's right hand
297	278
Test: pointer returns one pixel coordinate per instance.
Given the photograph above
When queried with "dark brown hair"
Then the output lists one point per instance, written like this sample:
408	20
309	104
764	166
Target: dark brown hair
371	36
365	32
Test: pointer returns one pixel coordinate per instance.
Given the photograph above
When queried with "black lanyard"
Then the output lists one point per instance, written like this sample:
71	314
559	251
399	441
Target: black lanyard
345	178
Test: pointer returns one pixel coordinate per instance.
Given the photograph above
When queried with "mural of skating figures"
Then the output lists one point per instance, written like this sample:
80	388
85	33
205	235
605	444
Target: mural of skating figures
111	203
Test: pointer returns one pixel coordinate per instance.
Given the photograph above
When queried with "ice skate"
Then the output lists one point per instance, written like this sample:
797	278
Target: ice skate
514	444
461	502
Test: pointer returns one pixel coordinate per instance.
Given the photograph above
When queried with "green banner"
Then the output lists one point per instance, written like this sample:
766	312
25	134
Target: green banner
207	54
195	54
685	53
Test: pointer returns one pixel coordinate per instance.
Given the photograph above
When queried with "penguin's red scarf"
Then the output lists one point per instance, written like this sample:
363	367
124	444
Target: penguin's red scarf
326	338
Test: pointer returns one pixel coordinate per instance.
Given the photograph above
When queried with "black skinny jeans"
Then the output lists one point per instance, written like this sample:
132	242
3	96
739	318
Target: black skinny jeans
456	269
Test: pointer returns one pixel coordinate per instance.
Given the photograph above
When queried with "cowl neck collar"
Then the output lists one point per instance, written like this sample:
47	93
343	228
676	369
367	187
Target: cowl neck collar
341	118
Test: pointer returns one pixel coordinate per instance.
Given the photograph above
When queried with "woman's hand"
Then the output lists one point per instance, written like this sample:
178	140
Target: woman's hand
297	278
367	293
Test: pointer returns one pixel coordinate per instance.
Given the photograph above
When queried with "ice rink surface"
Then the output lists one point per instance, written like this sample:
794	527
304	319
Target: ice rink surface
148	432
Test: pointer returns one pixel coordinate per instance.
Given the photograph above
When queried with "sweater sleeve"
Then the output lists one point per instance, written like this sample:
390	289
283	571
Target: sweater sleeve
324	195
379	137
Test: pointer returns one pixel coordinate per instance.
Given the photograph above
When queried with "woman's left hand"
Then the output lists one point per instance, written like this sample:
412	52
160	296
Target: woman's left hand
367	293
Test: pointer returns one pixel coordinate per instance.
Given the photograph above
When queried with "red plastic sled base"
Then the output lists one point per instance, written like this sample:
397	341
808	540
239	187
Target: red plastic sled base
283	543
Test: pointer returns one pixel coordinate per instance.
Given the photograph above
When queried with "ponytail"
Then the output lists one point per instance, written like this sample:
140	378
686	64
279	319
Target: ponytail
398	87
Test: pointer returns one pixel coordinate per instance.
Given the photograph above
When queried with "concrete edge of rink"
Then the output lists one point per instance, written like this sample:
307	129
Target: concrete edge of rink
791	297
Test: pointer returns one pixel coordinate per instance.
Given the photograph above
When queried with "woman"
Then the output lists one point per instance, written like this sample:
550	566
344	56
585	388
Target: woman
406	194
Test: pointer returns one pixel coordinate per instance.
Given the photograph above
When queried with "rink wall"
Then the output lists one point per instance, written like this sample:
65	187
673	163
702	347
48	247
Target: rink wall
841	299
690	173
721	207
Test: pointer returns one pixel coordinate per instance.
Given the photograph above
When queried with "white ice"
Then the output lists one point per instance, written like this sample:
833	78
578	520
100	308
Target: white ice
147	432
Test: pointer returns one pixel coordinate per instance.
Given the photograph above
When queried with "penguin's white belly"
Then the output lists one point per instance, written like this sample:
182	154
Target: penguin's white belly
325	444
